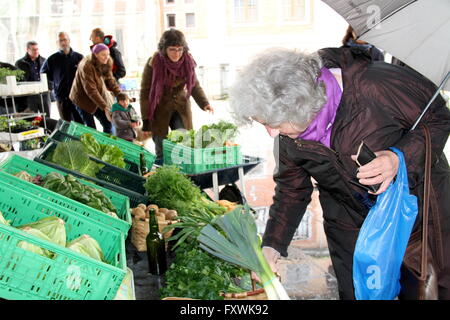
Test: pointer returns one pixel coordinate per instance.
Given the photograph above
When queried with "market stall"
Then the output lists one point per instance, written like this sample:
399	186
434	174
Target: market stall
82	212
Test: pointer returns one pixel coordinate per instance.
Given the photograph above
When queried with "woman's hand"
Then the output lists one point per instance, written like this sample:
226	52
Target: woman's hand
382	170
272	257
209	109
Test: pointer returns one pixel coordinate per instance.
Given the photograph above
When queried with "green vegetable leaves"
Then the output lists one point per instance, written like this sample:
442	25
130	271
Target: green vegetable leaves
72	155
198	275
234	238
209	136
70	187
107	153
87	246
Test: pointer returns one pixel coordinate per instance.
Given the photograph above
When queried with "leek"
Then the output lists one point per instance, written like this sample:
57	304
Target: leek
234	238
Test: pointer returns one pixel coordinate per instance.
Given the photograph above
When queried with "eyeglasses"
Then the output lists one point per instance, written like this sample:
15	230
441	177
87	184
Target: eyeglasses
176	50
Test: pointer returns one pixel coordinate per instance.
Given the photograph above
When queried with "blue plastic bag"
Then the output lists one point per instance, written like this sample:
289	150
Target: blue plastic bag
383	239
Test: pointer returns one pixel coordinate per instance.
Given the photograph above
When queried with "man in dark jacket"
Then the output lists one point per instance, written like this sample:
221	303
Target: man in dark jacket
32	63
98	36
334	100
60	69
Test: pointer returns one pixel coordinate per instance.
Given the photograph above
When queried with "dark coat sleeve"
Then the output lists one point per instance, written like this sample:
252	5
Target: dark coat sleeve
405	103
120	70
199	95
146	83
292	196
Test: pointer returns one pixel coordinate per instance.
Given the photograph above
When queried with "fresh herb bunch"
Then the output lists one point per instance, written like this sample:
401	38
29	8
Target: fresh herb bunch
5	72
169	188
196	274
15	125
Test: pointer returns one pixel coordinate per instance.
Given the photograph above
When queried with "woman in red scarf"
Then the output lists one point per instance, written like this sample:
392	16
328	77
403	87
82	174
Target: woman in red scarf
168	81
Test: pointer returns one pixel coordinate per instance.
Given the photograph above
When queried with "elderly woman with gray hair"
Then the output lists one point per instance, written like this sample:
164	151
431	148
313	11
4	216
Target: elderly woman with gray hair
320	107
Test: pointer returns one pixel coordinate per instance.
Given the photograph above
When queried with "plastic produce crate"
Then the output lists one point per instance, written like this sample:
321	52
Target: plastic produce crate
64	137
69	275
132	151
110	177
194	161
15	164
65	202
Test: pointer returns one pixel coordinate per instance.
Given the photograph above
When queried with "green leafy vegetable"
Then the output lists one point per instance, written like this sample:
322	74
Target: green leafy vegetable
209	136
198	275
52	227
107	153
3	220
72	155
70	187
32	247
234	238
87	246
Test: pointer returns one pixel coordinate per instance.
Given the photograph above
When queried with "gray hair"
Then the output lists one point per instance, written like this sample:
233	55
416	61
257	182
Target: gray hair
31	43
279	86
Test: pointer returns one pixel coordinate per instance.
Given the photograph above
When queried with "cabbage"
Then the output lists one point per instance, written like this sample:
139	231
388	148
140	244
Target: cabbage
3	221
32	247
87	246
52	227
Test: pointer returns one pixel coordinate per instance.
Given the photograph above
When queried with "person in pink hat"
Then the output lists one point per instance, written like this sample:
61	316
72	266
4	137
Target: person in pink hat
94	86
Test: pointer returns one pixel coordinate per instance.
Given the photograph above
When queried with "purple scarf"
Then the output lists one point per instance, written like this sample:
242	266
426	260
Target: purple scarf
164	75
320	129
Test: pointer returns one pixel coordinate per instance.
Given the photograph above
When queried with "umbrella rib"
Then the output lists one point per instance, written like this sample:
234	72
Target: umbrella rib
388	16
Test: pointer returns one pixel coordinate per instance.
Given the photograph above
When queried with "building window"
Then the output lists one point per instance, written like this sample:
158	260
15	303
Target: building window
57	7
170	1
171	21
245	11
190	20
294	10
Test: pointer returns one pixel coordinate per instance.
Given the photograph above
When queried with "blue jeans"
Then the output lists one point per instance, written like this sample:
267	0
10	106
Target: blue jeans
100	115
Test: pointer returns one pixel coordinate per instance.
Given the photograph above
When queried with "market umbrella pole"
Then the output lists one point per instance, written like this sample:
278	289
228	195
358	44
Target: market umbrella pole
438	92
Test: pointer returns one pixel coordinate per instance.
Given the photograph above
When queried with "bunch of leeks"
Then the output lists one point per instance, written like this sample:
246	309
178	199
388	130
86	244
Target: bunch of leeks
234	238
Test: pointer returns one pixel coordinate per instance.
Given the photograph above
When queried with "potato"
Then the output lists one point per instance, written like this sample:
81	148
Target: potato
138	213
171	215
163	210
142	206
161	217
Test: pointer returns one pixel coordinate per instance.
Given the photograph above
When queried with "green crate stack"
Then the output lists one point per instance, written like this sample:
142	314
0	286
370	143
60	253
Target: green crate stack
132	151
68	275
195	161
110	177
15	164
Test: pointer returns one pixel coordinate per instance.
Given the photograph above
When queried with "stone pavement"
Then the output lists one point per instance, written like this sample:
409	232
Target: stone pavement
308	274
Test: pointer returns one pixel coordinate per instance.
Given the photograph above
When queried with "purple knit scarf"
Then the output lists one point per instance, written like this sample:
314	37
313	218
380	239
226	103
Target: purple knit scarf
164	75
320	128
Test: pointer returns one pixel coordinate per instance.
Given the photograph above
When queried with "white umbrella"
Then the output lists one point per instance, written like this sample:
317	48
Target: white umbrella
415	31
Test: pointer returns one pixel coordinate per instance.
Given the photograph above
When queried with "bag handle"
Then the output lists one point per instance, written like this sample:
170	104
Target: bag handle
426	204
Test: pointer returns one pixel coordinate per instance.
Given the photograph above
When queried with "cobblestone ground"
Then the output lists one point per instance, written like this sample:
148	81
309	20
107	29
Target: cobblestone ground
308	275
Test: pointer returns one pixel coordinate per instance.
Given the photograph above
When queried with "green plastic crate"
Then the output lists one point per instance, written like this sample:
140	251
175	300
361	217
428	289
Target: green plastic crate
68	203
110	177
132	151
194	161
69	275
15	164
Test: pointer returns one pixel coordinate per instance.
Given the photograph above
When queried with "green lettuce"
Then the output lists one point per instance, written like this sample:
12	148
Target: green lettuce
72	155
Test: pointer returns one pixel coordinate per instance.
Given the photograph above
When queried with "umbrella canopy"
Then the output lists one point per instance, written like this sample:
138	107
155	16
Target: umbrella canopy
415	31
